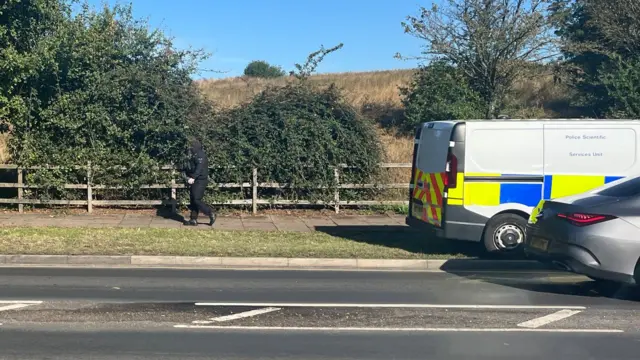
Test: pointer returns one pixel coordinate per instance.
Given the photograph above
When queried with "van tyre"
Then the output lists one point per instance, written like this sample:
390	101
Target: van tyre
504	234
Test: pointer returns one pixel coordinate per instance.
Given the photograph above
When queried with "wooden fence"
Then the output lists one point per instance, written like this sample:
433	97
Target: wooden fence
254	185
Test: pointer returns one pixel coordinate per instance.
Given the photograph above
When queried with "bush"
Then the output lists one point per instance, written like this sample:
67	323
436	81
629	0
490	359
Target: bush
114	94
294	135
262	69
27	56
439	92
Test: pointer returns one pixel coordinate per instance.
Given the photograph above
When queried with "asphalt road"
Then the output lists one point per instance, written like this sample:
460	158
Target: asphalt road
71	313
311	346
181	285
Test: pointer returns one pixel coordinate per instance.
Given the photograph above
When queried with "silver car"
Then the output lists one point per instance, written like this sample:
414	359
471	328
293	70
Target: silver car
596	234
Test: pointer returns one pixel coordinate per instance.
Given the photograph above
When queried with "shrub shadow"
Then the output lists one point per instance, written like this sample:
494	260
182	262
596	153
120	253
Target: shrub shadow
403	238
166	213
388	116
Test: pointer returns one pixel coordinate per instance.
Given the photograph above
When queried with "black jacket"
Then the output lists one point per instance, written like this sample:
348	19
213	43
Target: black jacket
198	166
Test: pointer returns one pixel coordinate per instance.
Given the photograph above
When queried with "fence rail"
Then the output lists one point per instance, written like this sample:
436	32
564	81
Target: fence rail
253	184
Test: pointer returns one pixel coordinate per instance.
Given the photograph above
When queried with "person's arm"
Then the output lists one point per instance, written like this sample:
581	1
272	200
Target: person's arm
184	170
199	165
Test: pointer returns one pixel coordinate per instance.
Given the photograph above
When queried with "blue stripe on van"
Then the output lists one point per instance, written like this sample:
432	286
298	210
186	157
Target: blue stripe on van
548	182
608	179
526	194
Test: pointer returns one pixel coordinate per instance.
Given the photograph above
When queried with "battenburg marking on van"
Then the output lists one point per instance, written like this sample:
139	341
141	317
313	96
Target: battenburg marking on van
556	186
429	189
493	193
455	196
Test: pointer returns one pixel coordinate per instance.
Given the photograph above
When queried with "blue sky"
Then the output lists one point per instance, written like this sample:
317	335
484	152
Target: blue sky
283	32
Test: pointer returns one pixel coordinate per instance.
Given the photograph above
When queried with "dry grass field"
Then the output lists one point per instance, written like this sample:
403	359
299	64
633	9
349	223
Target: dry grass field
361	88
375	91
376	94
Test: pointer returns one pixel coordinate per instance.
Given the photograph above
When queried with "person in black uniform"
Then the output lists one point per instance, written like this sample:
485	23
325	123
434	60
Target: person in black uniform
197	176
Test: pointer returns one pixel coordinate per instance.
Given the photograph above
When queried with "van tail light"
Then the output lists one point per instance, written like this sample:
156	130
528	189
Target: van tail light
451	174
580	219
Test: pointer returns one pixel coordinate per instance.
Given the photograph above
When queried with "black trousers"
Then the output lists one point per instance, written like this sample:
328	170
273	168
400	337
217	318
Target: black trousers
196	205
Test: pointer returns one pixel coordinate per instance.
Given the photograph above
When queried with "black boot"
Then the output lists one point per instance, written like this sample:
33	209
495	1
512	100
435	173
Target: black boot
191	223
212	219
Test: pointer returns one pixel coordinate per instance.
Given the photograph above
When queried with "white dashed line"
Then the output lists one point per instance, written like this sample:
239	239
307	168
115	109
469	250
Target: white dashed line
383	329
13	307
16	304
241	315
414	306
30	302
547	319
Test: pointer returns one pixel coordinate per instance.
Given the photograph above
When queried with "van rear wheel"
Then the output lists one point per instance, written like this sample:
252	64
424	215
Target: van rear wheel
504	233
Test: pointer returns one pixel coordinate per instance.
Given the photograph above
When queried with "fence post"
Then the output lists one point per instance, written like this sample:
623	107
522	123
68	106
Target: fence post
336	196
20	190
89	190
173	191
254	191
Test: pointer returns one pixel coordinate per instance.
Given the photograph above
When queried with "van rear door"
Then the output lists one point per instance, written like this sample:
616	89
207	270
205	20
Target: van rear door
430	176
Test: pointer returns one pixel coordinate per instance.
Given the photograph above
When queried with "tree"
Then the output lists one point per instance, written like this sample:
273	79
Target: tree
440	91
488	40
600	43
619	23
313	60
263	69
621	79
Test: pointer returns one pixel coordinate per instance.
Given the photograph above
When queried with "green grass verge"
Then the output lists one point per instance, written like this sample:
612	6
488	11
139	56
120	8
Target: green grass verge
186	242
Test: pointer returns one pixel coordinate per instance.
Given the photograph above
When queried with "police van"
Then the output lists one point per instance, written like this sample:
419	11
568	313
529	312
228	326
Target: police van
479	180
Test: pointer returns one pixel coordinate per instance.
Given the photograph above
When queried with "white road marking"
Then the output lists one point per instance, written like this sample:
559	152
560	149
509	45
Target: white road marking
370	329
16	304
31	302
14	307
547	319
241	315
417	306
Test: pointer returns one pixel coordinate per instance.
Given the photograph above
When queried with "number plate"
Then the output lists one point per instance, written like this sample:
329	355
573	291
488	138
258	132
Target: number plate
540	244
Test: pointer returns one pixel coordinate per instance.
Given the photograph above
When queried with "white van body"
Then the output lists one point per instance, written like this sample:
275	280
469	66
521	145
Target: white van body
479	180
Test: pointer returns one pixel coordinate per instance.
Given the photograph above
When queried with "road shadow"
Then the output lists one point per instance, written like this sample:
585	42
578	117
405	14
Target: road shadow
584	288
540	278
404	238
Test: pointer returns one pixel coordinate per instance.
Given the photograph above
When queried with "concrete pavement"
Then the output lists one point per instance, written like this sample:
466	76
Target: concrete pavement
166	220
